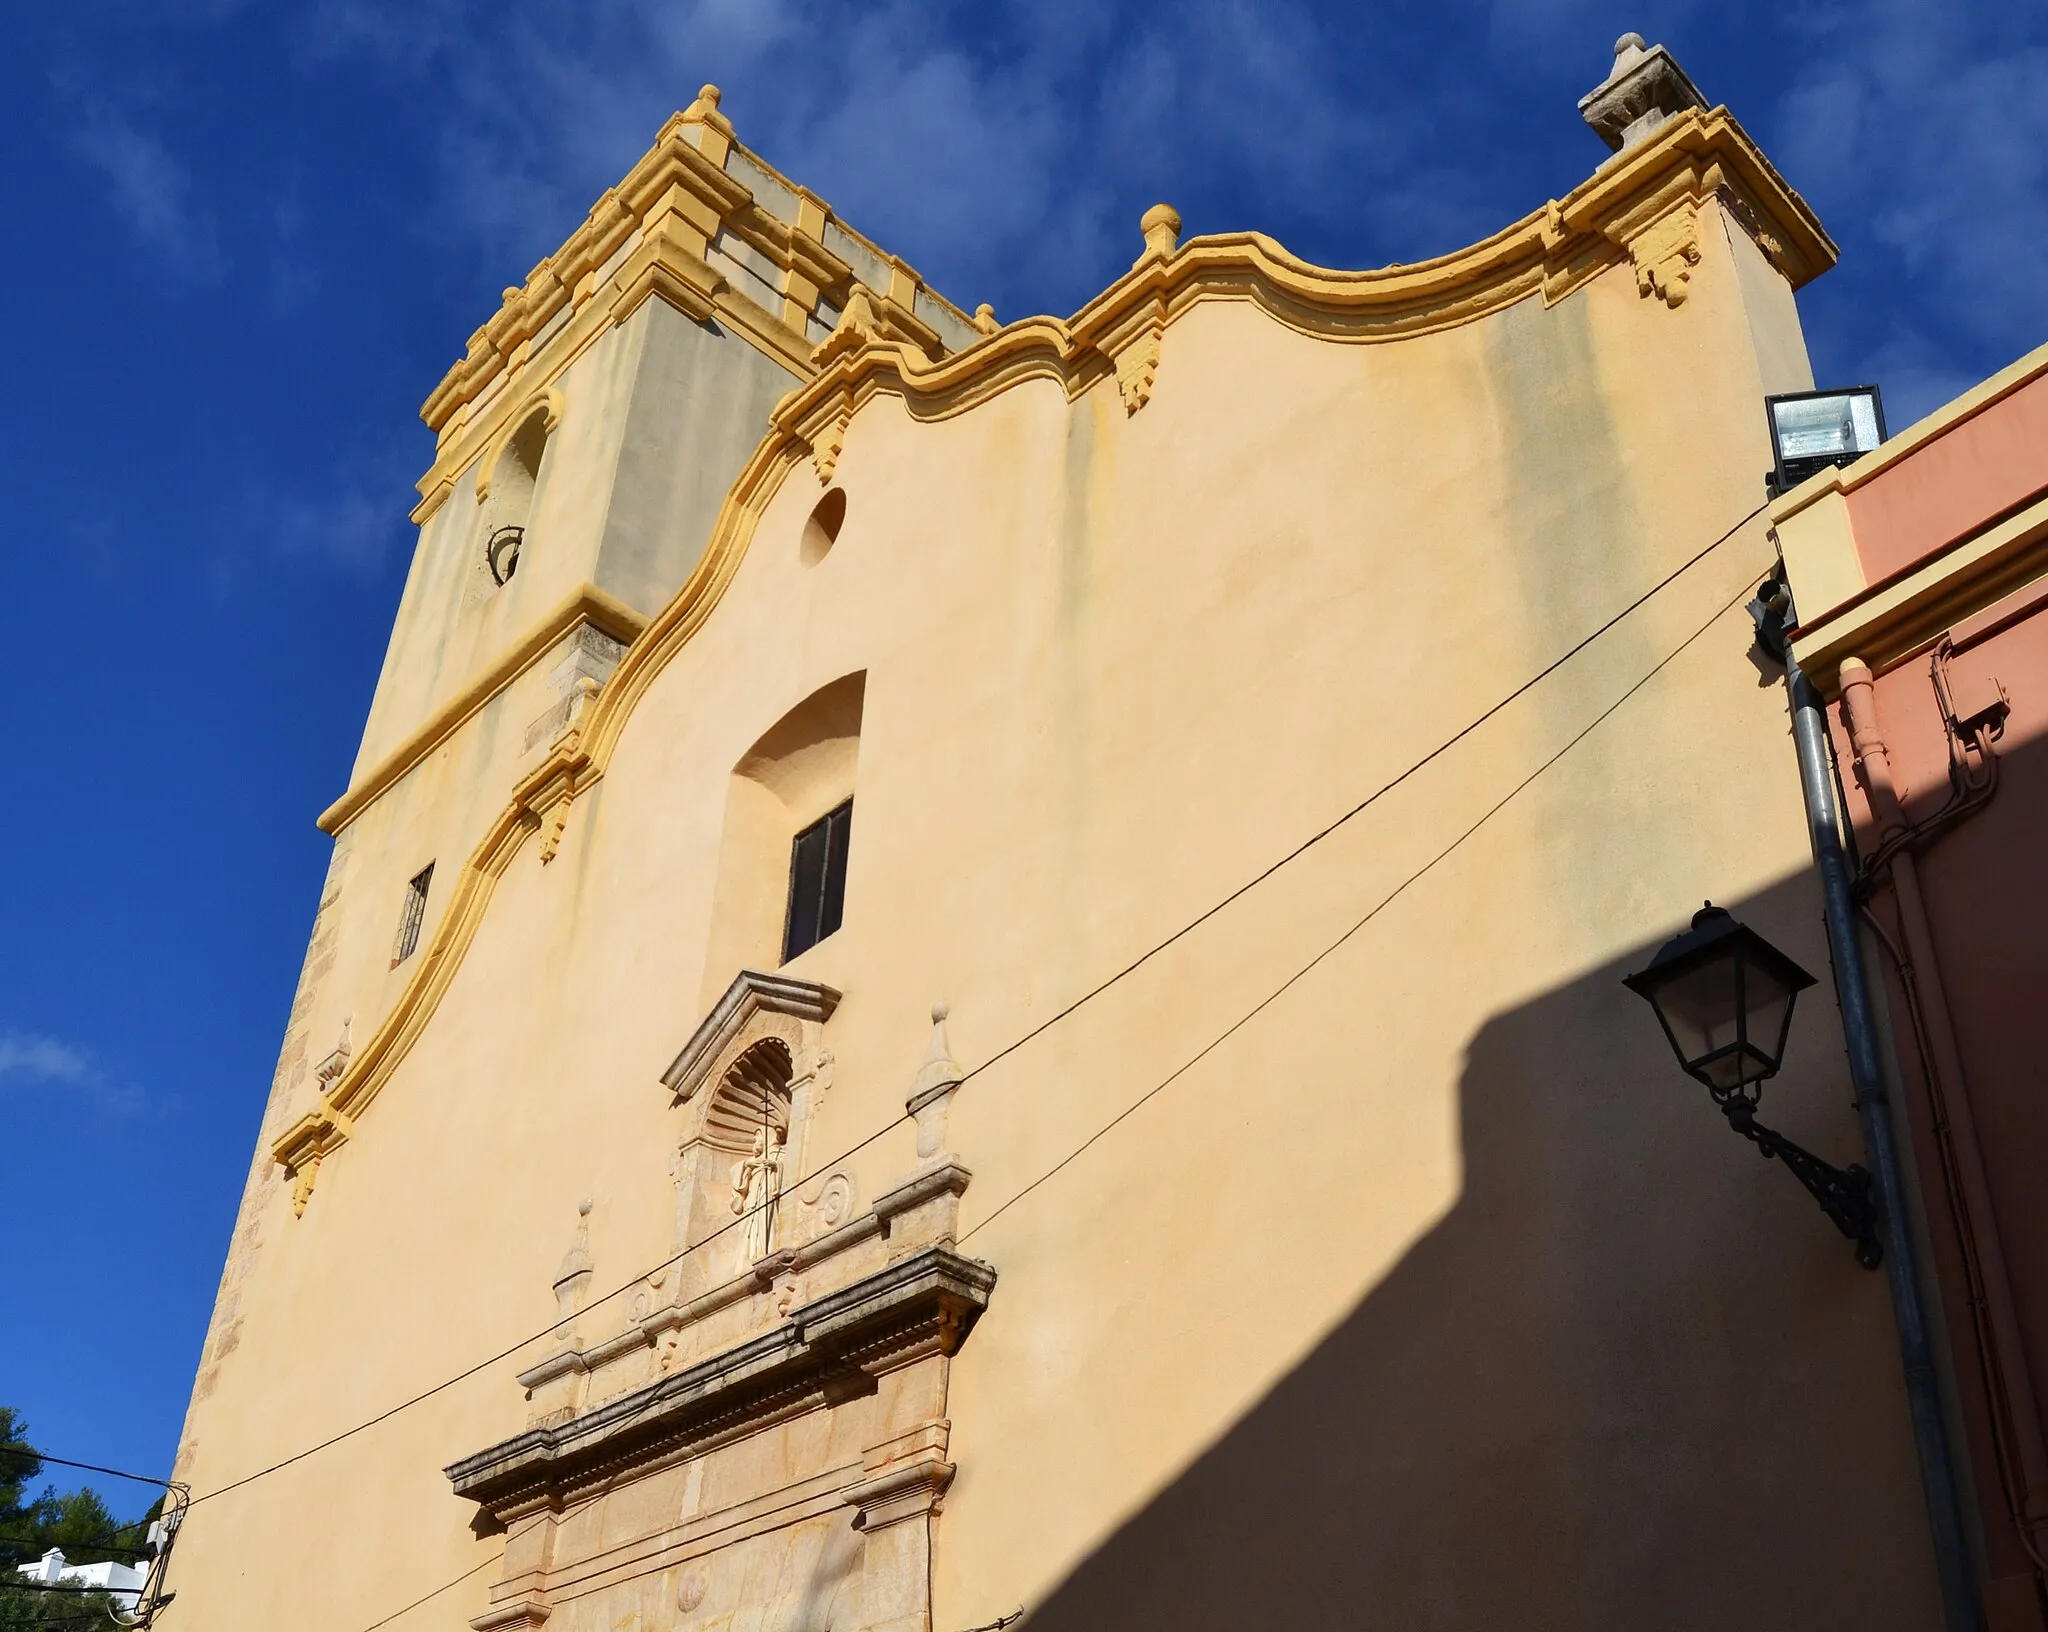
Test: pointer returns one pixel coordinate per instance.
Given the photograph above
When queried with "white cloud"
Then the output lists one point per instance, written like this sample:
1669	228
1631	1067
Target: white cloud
1007	151
1926	124
354	525
29	1062
151	191
41	1059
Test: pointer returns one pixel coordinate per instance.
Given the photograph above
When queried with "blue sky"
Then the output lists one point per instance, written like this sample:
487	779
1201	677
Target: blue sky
244	240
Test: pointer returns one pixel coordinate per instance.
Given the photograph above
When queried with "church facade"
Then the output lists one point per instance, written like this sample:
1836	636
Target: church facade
973	967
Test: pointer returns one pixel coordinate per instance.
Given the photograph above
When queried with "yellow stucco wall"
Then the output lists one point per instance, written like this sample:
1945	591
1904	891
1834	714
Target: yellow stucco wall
1429	1295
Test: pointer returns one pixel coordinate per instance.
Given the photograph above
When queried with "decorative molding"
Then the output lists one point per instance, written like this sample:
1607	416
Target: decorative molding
908	1490
302	1147
1550	253
1665	253
1137	365
946	1177
828	1349
1744	215
750	993
586	603
530	1611
552	827
830	441
650	237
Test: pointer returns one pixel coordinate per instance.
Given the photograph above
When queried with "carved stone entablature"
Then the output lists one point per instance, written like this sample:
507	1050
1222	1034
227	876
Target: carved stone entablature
828	1352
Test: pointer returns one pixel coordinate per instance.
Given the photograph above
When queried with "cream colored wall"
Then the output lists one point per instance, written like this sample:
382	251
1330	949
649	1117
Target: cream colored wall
1117	664
657	417
453	621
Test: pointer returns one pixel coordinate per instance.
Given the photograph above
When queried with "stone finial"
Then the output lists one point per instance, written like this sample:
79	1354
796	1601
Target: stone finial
985	319
931	1090
572	1280
859	325
706	105
1161	227
1643	89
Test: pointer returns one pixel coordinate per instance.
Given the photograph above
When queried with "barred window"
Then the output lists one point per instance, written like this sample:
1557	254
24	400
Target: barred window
817	881
414	914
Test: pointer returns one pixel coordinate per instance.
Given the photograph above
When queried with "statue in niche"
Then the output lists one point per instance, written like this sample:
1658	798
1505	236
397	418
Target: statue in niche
756	1181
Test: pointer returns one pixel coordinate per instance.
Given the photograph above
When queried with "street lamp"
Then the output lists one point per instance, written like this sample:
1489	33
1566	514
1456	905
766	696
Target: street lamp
1724	996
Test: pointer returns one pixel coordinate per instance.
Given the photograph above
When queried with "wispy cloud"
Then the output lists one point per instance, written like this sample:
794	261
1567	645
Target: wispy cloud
354	525
24	1056
1925	124
1007	151
152	193
30	1063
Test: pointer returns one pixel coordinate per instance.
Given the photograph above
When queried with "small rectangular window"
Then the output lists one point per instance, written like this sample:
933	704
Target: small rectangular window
415	913
817	881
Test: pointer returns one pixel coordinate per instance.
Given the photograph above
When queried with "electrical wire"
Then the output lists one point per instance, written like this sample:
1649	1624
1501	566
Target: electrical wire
443	1587
1237	1025
89	1544
1040	1029
89	1467
1378	907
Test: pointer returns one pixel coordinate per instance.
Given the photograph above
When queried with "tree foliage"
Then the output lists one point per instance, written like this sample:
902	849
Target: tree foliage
32	1522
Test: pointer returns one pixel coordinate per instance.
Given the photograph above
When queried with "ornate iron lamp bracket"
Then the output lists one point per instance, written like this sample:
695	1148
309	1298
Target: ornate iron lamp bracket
1844	1195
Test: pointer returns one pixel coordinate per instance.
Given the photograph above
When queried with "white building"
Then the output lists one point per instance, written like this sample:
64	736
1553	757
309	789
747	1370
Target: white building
123	1581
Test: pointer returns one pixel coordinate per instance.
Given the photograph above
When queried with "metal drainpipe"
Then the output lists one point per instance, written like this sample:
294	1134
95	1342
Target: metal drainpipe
1852	991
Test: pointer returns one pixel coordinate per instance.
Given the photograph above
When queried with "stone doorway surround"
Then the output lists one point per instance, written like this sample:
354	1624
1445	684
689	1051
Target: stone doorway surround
769	1451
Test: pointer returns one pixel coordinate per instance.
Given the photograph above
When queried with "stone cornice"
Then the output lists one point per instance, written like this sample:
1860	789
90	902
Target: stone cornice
750	992
652	235
828	1349
1691	160
1551	252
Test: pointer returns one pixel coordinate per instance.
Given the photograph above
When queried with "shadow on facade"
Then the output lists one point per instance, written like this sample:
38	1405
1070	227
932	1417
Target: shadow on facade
1633	1379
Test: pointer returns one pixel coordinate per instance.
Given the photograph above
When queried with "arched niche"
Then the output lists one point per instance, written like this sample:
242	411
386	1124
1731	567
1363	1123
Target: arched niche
756	1063
508	482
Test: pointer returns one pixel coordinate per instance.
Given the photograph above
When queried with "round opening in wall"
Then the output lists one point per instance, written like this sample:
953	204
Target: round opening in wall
823	527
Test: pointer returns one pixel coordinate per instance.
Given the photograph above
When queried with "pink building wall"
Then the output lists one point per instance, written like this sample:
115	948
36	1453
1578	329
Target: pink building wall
1942	737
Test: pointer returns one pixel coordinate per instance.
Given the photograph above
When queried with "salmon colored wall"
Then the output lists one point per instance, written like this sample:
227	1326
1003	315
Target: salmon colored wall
1970	474
1984	883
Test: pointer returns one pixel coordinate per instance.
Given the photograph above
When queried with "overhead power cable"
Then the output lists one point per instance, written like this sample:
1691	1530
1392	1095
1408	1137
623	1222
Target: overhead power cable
1042	1027
89	1467
1378	907
87	1544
